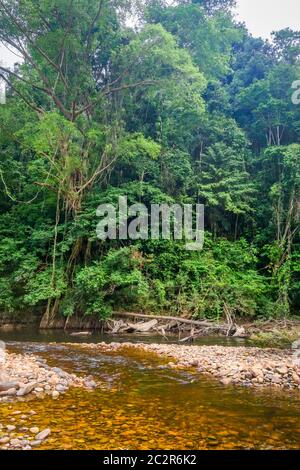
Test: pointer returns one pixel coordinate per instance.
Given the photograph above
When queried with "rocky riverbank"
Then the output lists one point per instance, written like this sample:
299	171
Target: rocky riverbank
28	377
23	375
243	366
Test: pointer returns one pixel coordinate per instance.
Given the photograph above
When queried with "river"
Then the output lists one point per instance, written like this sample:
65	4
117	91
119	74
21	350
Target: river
142	404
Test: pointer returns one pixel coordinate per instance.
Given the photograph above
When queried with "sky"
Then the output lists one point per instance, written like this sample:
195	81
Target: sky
261	17
264	16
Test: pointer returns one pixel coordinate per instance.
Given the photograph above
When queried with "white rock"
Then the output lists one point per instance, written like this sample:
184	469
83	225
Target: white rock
34	430
43	435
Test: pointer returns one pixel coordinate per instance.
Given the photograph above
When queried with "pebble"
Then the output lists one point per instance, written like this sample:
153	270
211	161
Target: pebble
10	428
43	435
296	378
90	384
226	381
249	367
25	374
35	443
282	370
28	388
8	393
4	440
15	442
34	430
22	375
276	379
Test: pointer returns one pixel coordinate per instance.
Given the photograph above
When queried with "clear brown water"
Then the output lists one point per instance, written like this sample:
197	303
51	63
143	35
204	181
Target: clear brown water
36	335
141	404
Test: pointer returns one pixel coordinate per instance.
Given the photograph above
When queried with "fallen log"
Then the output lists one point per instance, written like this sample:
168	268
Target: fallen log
142	327
117	327
207	324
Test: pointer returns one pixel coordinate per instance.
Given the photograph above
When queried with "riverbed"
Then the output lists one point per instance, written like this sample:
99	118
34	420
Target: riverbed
143	404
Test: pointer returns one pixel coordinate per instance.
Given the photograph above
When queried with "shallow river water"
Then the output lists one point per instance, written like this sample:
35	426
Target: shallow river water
142	404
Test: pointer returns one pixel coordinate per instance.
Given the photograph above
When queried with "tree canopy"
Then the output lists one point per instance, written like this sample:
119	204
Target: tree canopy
163	103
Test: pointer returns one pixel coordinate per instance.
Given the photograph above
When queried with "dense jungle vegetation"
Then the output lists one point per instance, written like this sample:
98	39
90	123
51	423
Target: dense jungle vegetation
162	102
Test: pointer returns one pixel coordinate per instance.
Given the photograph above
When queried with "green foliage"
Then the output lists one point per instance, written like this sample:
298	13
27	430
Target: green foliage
200	33
117	282
275	339
40	288
186	107
206	284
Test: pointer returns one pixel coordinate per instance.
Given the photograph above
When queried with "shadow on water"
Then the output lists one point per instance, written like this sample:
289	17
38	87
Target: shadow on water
143	404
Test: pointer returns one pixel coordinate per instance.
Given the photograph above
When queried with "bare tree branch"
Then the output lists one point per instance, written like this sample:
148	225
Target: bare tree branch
22	96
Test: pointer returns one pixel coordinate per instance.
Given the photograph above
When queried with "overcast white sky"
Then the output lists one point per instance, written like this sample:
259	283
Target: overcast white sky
261	17
264	16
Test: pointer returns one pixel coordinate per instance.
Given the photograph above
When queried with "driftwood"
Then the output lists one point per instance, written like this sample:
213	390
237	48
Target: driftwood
207	324
116	327
81	333
143	327
240	332
161	323
120	326
189	339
